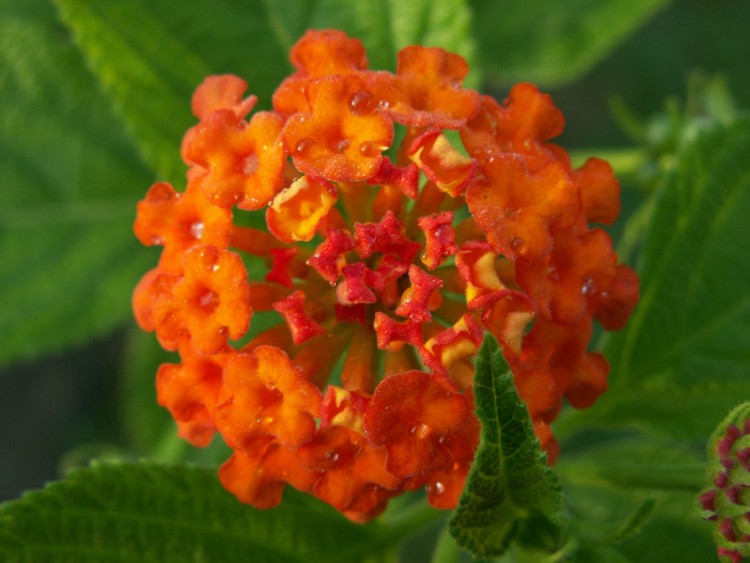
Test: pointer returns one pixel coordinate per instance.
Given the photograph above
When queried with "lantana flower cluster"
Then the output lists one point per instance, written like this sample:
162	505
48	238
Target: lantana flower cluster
383	224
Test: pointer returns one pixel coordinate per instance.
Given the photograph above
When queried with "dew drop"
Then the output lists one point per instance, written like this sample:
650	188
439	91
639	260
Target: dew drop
196	230
270	386
332	455
439	488
362	103
369	149
441	440
384	104
157	241
517	243
303	146
215	268
250	164
421	431
552	273
589	286
342	145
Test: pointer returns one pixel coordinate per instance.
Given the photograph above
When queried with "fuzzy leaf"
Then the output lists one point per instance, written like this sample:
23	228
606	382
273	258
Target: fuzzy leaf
510	479
70	184
149	513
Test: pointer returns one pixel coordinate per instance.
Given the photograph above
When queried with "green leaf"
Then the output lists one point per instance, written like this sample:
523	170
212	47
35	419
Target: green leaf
634	493
552	42
683	360
70	184
510	479
150	56
150	513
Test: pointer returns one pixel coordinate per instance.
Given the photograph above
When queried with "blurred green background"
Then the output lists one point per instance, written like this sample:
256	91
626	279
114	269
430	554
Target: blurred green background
55	399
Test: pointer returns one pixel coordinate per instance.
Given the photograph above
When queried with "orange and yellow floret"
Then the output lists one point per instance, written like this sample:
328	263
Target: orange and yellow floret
384	265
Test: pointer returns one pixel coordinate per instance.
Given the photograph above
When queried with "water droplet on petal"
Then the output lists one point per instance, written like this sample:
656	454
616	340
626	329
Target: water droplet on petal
196	230
589	286
439	488
342	145
215	268
421	431
369	149
552	273
250	164
383	104
517	243
362	103
157	241
303	146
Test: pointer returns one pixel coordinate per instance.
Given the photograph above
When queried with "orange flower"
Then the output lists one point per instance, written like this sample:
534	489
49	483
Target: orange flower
520	200
300	210
525	121
337	139
412	414
578	267
378	274
353	475
178	221
426	91
208	303
245	161
190	391
266	395
317	54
